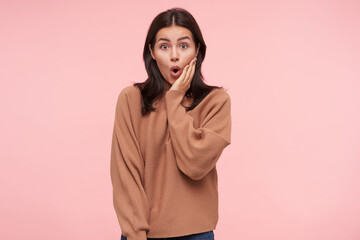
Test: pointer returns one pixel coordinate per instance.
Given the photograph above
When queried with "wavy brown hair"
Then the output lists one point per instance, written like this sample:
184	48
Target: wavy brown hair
153	88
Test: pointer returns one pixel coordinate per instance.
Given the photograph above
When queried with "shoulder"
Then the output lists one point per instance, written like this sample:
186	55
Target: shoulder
220	93
129	98
130	92
217	96
216	102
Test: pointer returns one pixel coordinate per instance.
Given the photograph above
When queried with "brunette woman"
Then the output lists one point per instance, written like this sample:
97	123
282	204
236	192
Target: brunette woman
169	132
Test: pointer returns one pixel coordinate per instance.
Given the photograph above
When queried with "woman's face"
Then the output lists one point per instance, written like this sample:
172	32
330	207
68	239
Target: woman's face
174	46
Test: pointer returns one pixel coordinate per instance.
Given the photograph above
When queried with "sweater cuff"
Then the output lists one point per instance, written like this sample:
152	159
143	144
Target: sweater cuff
175	95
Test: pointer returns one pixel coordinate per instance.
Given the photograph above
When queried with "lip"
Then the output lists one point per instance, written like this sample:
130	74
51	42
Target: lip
177	74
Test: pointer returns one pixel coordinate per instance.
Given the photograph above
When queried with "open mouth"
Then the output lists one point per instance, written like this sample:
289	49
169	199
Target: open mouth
175	69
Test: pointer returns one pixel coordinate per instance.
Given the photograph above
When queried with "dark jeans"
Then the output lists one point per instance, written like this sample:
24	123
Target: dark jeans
198	236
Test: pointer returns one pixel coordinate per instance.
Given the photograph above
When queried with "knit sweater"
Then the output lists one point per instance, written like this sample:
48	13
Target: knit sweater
163	165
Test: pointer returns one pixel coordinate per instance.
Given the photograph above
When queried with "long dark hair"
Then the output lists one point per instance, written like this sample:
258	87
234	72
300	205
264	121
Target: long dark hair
153	88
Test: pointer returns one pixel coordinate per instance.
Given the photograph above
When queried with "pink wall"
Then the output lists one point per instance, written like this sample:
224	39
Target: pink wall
292	70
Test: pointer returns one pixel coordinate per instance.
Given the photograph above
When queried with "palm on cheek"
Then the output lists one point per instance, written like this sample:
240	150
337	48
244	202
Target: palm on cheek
183	82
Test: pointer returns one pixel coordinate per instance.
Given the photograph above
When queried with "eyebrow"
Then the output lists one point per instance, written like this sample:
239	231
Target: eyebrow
165	39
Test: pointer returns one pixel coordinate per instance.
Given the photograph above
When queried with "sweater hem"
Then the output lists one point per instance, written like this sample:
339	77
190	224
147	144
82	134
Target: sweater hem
178	234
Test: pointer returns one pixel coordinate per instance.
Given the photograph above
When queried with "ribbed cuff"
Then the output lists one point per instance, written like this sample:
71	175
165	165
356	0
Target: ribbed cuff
174	95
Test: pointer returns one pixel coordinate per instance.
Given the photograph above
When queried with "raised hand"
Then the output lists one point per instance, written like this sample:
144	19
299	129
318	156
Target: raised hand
183	82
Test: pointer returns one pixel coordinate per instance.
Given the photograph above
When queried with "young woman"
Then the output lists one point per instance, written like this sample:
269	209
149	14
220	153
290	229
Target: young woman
169	132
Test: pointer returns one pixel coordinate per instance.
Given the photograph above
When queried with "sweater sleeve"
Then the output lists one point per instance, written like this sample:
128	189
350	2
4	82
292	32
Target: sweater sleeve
127	175
197	150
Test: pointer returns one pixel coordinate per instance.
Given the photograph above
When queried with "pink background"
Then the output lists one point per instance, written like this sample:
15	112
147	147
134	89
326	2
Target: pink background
292	70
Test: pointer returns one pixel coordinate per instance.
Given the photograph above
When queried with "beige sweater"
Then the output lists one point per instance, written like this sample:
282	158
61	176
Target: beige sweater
163	165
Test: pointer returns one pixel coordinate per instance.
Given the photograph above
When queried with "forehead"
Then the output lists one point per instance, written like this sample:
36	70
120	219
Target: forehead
173	33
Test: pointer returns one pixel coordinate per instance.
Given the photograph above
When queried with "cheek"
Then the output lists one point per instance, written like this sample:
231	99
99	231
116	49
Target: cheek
160	59
190	56
188	59
162	67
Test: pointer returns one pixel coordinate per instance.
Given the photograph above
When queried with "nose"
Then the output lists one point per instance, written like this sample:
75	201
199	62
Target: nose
174	55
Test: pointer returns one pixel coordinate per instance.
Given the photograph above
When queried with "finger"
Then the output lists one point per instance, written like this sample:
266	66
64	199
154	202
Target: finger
183	74
191	71
187	76
186	73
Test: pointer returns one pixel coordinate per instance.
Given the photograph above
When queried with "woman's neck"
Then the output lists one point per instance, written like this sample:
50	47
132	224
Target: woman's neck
167	85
